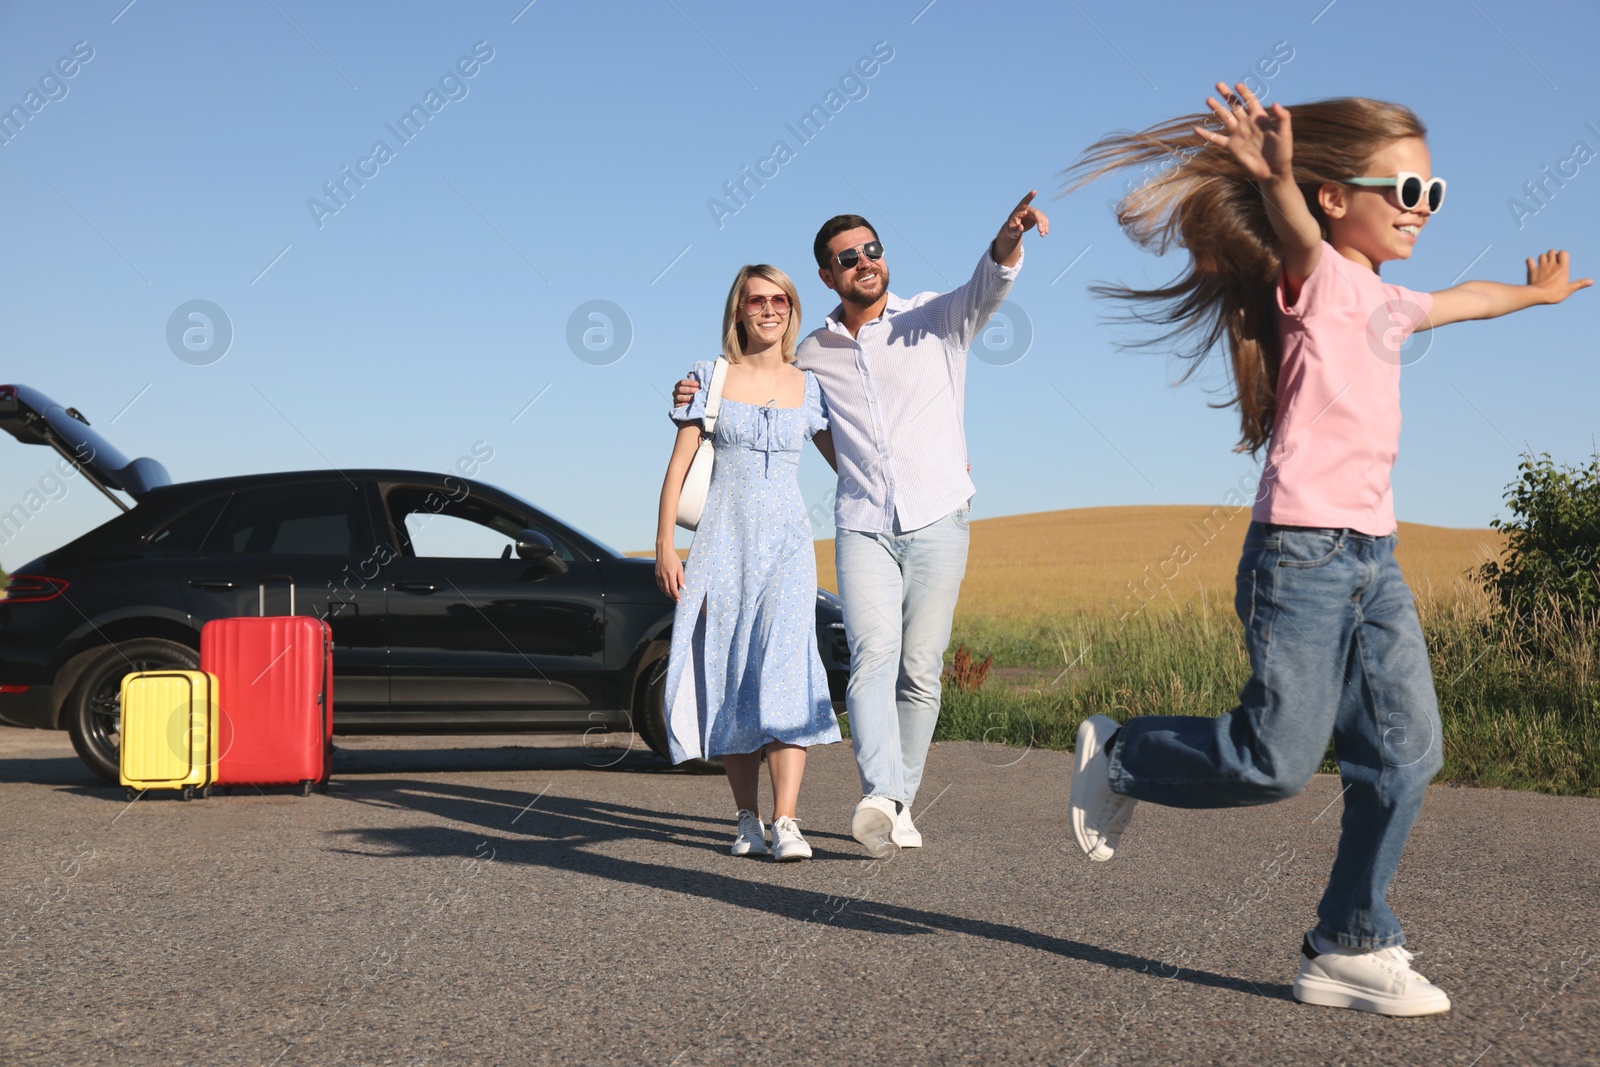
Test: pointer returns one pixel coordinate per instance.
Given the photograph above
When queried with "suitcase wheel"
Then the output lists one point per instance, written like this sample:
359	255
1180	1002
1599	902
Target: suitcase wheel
305	787
188	792
205	794
322	787
133	794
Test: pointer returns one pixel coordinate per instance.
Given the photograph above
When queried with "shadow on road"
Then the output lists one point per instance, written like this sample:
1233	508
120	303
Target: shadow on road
560	833
70	772
412	760
52	770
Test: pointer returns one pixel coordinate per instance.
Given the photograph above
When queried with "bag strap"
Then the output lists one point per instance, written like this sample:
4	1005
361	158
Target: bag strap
714	397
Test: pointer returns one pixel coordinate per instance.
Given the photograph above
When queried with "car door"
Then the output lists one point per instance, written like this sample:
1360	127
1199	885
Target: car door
477	634
316	535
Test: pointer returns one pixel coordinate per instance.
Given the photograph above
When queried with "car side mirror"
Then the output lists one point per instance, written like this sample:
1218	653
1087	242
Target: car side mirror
535	547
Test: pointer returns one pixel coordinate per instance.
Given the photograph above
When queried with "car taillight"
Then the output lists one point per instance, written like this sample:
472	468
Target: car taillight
13	689
8	392
32	589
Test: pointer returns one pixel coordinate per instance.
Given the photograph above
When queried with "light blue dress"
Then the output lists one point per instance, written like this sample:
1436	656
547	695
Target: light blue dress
744	668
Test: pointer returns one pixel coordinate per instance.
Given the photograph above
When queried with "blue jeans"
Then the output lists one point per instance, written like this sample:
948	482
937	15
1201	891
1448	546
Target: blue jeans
899	592
1335	650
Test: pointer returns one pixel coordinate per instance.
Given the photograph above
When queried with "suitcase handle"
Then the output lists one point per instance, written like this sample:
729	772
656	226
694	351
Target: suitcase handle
262	608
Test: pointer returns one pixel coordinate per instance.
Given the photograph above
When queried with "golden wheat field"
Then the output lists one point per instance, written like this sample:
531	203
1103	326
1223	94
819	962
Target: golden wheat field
1112	559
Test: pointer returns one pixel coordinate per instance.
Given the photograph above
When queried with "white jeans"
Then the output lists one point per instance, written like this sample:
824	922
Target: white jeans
899	594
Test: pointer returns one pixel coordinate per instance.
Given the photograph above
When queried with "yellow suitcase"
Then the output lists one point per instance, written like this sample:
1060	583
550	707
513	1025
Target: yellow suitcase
169	731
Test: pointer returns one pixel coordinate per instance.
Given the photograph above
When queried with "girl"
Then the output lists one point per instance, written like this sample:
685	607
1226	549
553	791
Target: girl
744	676
1286	229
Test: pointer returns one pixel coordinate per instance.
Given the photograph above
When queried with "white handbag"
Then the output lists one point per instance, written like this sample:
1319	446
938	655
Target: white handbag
697	483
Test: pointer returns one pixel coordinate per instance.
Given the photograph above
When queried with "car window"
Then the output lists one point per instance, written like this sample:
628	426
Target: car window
453	537
433	525
320	519
188	531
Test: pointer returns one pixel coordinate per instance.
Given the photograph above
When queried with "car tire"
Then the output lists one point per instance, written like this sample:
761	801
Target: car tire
94	709
650	720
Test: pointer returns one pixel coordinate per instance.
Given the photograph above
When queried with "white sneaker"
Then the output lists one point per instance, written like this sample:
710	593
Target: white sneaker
1098	815
873	825
905	834
787	844
752	836
1379	980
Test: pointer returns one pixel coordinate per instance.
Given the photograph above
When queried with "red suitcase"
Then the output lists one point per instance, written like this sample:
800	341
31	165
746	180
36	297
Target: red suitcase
275	695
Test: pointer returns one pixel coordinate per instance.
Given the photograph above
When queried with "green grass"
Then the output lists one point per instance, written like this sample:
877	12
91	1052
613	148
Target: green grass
1520	707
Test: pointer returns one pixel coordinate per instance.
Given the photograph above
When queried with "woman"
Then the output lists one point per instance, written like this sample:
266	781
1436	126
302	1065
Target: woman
744	676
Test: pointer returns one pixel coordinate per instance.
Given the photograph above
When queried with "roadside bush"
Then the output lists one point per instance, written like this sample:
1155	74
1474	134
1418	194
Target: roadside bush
1551	565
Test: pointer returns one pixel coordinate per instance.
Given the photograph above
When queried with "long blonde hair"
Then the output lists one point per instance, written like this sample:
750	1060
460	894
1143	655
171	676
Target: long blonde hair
1200	199
733	333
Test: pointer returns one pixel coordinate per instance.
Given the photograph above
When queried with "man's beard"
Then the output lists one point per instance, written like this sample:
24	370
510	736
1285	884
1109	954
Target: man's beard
855	297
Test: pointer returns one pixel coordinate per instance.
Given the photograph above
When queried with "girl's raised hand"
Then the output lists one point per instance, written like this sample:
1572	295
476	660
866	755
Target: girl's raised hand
1259	139
1548	273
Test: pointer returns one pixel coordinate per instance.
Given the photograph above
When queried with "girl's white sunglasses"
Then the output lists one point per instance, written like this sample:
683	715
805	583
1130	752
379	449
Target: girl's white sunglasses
1410	189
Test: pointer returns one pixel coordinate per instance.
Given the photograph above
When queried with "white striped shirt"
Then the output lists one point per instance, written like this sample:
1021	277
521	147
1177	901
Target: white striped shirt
896	398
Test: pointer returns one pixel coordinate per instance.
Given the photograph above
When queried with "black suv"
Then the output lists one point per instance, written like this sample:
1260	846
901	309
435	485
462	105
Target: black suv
455	606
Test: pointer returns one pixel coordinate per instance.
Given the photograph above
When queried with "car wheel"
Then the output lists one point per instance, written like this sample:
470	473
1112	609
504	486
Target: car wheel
94	710
650	720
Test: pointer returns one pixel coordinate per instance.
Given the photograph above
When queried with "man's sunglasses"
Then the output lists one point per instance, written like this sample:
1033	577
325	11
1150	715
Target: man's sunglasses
1410	189
757	304
873	250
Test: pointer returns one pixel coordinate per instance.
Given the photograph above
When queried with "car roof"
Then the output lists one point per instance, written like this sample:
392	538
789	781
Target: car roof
171	498
327	474
34	419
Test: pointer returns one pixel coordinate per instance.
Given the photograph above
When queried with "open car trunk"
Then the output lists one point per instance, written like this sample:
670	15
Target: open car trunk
35	419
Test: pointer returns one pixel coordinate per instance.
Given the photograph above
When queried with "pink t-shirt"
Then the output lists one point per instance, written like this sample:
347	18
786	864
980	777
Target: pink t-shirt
1337	429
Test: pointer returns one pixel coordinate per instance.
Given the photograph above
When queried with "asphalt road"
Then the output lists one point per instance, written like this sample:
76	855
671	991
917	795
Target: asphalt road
513	901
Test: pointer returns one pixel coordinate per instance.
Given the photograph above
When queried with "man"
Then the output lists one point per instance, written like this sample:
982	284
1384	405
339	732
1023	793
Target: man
893	373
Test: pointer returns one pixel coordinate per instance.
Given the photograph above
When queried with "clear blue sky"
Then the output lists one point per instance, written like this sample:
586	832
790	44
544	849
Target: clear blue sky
577	164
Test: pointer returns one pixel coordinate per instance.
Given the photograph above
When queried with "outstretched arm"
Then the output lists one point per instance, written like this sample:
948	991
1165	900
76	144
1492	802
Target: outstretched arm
958	315
1547	284
1006	248
1263	143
